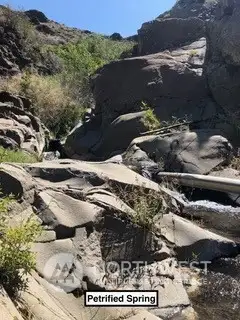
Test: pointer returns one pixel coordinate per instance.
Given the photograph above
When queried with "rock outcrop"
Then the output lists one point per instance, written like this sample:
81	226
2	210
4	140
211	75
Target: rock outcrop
170	83
96	214
159	35
191	152
87	219
202	9
183	24
19	129
223	61
159	80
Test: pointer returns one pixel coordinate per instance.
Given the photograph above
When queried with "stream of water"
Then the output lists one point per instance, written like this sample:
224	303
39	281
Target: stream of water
219	296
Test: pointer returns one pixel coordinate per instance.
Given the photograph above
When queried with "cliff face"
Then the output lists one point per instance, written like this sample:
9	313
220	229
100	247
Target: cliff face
187	65
202	9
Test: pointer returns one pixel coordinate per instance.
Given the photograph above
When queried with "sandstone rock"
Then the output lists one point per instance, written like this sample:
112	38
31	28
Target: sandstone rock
164	277
190	152
48	259
107	200
45	302
192	241
122	240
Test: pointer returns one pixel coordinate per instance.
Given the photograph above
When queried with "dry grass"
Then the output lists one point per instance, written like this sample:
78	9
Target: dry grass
51	101
17	156
147	205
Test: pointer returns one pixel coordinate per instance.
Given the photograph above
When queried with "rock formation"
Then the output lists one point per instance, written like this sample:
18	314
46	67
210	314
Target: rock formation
113	195
19	129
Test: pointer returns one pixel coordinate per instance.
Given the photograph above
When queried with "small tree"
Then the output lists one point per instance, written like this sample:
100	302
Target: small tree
16	258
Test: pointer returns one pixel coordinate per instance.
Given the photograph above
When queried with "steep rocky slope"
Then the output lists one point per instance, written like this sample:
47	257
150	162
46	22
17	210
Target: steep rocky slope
174	75
160	135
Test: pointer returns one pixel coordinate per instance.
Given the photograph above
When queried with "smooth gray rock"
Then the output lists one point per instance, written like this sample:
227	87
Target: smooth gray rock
161	34
16	181
63	213
198	151
193	242
156	79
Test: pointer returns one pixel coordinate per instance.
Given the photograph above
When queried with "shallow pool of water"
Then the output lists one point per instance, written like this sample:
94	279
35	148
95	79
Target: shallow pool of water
219	296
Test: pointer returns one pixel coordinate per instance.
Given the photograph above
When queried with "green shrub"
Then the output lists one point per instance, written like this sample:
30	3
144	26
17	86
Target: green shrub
193	53
18	156
83	58
147	205
52	102
150	120
16	258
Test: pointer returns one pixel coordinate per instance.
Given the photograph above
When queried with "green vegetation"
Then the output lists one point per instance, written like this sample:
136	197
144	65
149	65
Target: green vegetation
19	23
83	58
193	53
52	102
16	258
147	205
149	120
60	100
7	155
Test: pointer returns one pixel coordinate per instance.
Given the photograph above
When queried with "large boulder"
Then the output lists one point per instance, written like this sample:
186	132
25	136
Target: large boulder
19	129
171	83
127	126
198	151
191	240
63	213
15	181
223	60
87	140
181	25
157	79
162	34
